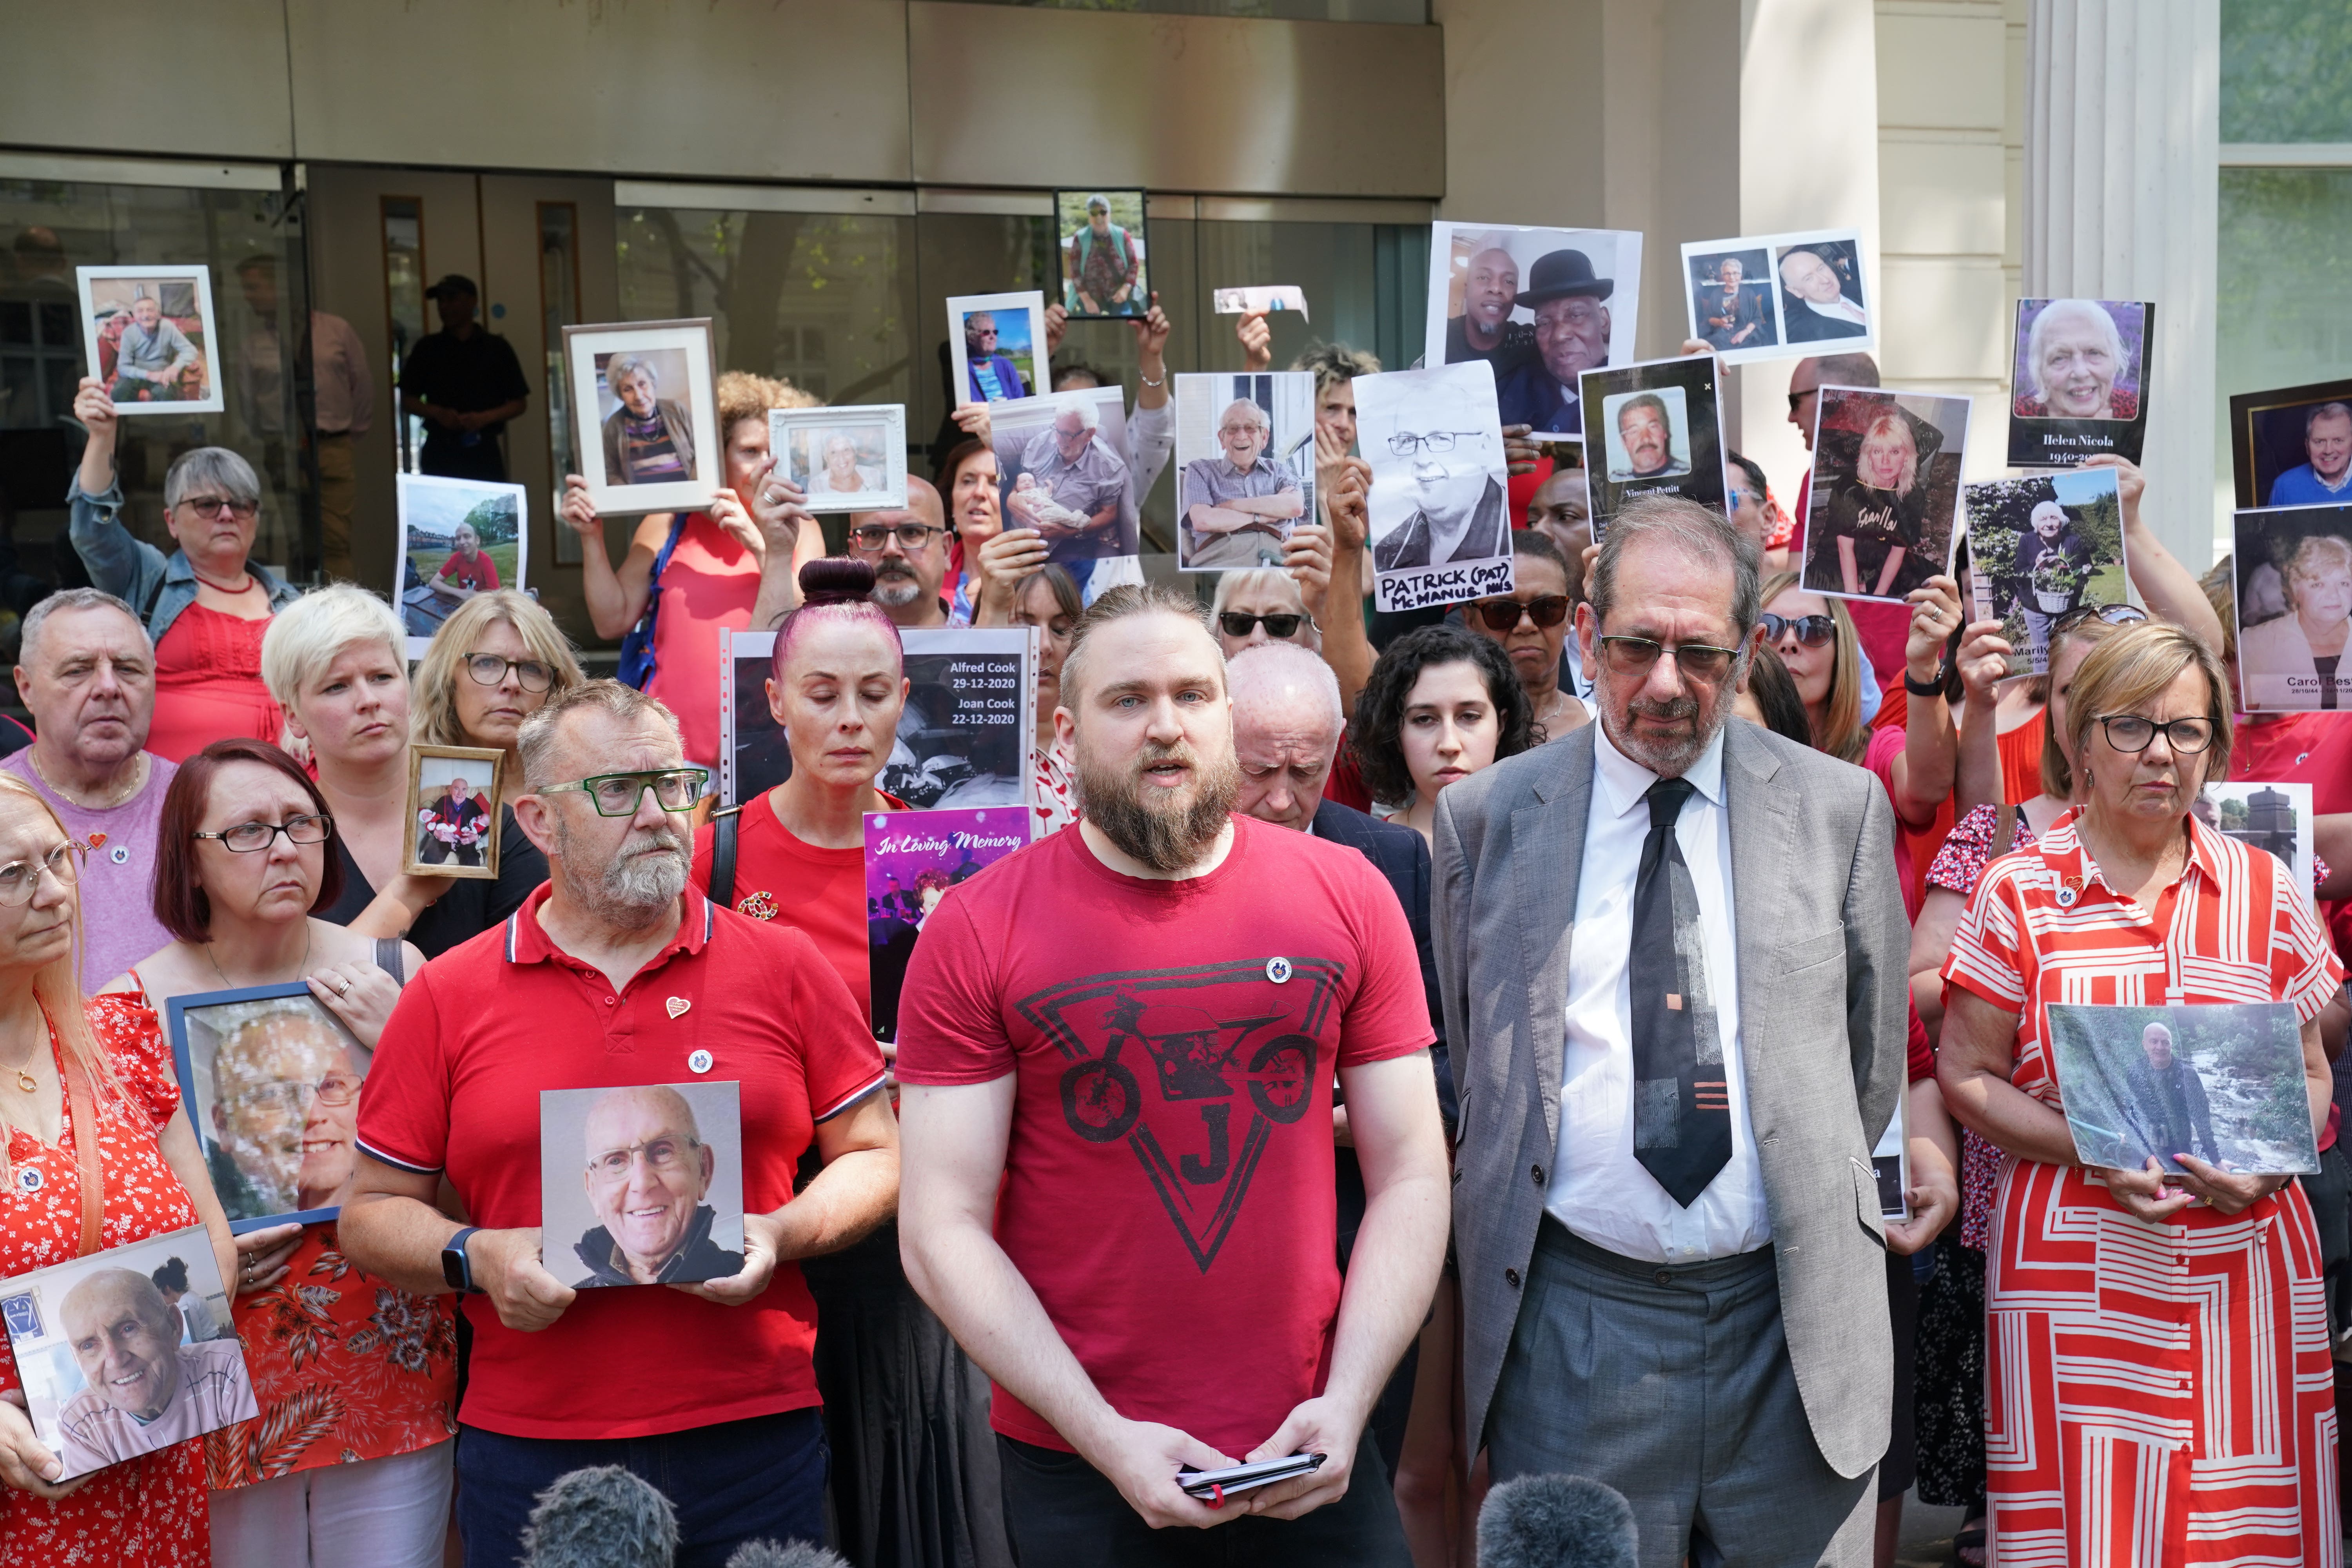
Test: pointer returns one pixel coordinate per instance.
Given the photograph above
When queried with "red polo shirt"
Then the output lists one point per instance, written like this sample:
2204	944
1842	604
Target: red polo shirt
455	1086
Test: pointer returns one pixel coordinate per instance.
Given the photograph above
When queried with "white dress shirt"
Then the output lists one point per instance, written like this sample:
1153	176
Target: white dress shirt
1598	1189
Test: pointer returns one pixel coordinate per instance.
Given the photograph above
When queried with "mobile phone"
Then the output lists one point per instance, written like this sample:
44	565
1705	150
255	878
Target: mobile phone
1212	1487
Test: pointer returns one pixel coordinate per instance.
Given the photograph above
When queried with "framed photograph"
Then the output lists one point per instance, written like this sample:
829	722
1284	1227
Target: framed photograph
1778	296
152	337
458	538
2039	547
2292	446
1061	462
645	415
1245	467
1885	490
170	1369
1104	269
1440	509
1260	298
1652	429
453	799
2078	386
844	459
2274	817
1542	306
2222	1083
642	1184
2294	571
912	858
271	1080
998	344
963	739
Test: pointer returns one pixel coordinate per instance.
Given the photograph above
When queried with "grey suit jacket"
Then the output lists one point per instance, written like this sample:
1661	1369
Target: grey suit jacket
1823	948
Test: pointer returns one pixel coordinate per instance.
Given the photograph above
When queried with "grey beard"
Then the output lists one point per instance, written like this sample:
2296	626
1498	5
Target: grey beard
1170	837
895	590
1669	762
634	888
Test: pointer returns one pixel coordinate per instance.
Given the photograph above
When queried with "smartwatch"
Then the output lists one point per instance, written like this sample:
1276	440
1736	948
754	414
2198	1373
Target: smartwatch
456	1268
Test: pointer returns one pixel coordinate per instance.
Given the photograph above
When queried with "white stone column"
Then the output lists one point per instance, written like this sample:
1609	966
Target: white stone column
2121	144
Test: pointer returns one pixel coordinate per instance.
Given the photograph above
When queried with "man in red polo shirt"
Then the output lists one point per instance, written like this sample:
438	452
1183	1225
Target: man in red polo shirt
611	976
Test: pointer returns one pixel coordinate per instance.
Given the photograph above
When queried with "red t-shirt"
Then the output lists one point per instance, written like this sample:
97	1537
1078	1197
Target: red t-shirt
481	573
455	1085
1168	1186
821	892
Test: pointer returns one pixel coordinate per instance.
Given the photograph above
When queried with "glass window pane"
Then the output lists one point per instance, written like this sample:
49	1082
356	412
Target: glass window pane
2286	71
1412	11
2286	261
403	294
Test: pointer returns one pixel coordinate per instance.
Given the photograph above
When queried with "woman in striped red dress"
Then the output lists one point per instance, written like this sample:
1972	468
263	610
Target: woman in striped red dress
2159	1378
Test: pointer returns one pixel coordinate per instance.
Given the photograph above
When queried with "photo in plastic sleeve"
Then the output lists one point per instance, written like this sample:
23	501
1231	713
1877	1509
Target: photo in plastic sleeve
2294	571
912	858
2272	818
2078	381
1061	470
1259	299
271	1080
2038	547
1775	296
1542	306
996	343
1440	512
453	811
127	1351
150	337
962	740
2291	445
641	1183
458	538
1245	467
843	459
1885	489
1105	270
2222	1083
1652	429
646	414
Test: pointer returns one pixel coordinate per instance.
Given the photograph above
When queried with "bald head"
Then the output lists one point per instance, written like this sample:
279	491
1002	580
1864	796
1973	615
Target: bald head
907	580
647	1170
125	1338
1286	726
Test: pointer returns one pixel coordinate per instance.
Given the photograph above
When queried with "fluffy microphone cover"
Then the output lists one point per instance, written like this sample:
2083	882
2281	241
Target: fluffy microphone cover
791	1554
601	1518
1556	1522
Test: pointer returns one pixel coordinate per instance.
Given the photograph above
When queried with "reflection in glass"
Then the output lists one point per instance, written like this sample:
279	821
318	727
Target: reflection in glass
2286	261
403	292
559	307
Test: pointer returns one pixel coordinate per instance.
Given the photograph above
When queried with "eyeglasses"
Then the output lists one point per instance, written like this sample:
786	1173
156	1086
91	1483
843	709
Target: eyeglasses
20	878
2113	615
911	536
1280	628
2133	733
1812	631
1505	615
1634	655
337	1090
618	795
248	836
489	668
662	1155
213	506
1404	443
1797	399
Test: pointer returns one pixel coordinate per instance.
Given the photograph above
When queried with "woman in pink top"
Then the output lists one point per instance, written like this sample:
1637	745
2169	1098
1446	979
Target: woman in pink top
689	574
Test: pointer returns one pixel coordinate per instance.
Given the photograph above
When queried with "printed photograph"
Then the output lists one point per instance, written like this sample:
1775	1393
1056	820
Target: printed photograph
844	459
997	342
1060	467
2078	383
1260	298
1561	506
453	799
912	858
646	414
111	1355
642	1184
2293	447
2221	1084
1245	467
2272	817
1104	270
2293	567
1885	489
1541	306
271	1080
1759	297
1730	298
1822	299
1441	526
1652	429
150	334
458	538
1647	433
2040	549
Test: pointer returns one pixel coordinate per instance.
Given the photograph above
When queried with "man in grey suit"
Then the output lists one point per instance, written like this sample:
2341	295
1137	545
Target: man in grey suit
1672	955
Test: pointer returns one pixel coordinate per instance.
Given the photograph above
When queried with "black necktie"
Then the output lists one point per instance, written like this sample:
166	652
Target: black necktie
1682	1104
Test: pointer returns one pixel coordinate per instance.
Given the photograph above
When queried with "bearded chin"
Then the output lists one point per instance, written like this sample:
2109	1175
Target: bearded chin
896	592
636	887
1167	830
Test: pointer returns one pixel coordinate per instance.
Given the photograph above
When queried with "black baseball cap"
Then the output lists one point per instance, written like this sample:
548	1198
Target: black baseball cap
453	283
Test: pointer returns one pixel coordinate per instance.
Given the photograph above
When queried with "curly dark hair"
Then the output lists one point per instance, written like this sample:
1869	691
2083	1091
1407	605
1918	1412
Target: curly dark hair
1379	710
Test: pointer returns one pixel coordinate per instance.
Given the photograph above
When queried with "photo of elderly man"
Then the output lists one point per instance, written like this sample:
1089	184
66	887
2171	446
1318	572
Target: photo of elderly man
1238	508
147	1391
649	438
1817	292
453	826
285	1090
1072	487
1451	465
2165	1109
647	1171
2325	477
151	354
1643	446
1571	333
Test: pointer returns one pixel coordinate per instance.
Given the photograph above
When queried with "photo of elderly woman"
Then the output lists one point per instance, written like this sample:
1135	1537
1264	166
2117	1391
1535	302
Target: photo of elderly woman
643	412
2078	383
648	437
1103	262
2295	609
843	459
2043	552
1886	485
271	1080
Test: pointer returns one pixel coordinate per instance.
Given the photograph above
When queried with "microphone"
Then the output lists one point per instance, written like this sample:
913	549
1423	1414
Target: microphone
791	1554
1556	1522
605	1517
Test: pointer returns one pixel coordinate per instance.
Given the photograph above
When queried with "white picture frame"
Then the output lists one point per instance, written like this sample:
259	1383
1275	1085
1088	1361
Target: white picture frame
107	293
803	441
1031	363
1605	269
680	354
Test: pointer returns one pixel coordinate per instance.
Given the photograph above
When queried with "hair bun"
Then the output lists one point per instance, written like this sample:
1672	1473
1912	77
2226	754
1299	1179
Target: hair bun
837	580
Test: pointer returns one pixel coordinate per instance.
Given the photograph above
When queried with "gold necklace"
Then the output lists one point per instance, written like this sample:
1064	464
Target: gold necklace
231	984
138	780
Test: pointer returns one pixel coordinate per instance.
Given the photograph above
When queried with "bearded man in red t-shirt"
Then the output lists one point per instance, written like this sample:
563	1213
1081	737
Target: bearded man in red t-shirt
1118	1048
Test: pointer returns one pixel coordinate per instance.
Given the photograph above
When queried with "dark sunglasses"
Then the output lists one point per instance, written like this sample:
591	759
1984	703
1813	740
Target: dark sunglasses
1503	614
1279	628
1812	631
2113	615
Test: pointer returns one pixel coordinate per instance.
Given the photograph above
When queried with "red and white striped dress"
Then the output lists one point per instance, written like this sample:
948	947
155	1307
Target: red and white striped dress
2158	1393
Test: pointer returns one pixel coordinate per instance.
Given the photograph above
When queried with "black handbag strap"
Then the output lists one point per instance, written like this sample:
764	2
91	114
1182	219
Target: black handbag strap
725	828
388	959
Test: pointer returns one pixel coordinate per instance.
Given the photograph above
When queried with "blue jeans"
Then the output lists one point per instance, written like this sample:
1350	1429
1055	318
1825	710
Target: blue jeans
761	1479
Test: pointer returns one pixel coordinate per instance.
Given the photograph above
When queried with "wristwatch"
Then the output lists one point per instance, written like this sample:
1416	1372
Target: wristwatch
1924	689
456	1268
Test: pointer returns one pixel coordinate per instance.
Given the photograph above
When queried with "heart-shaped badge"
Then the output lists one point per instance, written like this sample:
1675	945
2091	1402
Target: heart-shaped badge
677	1005
98	841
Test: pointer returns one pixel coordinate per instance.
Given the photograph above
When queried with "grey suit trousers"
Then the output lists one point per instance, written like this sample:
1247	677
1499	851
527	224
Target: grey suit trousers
1674	1385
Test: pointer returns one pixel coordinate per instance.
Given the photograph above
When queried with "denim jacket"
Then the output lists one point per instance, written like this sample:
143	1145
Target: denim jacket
136	572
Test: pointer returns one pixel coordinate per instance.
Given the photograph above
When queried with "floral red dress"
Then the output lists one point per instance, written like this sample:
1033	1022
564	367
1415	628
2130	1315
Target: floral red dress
150	1510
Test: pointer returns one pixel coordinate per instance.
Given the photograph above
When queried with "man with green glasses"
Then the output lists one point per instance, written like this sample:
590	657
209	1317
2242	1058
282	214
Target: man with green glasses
614	976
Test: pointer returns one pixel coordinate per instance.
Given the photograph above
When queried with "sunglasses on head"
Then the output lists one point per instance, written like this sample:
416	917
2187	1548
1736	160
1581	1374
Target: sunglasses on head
1503	614
2113	615
1812	631
1279	628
